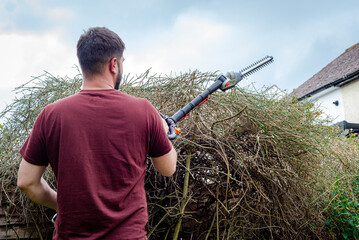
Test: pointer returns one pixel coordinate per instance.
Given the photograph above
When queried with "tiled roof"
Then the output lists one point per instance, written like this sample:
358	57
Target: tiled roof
346	63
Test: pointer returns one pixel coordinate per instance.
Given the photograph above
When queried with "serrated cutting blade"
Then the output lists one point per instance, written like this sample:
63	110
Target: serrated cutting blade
256	66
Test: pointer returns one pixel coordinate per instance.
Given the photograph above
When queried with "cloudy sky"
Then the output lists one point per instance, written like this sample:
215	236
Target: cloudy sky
178	36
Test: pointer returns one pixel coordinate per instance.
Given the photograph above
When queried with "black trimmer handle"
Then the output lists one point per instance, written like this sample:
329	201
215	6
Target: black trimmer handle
173	130
223	82
183	112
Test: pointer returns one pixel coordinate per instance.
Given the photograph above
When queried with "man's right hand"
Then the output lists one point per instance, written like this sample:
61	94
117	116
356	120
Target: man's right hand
165	126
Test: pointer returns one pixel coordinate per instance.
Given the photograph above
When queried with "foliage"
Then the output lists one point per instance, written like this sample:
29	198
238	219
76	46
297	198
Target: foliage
250	166
343	211
18	118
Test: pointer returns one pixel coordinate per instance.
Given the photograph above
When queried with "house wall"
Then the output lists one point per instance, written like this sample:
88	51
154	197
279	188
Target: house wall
325	101
351	101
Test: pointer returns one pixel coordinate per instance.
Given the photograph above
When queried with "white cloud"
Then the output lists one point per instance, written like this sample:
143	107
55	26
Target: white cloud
189	43
197	40
56	14
59	14
13	10
308	47
29	54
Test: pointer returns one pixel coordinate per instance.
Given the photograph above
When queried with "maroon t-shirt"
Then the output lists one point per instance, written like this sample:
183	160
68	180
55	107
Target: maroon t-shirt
96	142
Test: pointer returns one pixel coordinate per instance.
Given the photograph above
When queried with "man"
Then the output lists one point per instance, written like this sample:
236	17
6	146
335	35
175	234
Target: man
96	142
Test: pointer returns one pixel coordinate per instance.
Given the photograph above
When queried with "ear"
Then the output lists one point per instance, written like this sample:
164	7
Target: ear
113	65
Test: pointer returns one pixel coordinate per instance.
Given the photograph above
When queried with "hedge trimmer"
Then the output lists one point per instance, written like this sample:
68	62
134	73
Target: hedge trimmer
223	82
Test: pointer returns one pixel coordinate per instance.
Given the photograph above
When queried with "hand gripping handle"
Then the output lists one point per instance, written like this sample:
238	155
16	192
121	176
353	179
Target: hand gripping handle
173	130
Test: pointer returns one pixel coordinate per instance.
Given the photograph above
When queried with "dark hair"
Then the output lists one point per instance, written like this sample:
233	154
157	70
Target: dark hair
96	47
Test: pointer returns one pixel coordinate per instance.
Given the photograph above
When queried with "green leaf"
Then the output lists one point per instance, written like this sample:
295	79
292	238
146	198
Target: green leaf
351	223
355	234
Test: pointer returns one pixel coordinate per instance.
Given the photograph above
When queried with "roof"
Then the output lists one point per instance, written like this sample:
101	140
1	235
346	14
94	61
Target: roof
344	65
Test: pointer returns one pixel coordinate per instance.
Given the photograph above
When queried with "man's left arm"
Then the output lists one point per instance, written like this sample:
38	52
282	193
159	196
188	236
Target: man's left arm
31	182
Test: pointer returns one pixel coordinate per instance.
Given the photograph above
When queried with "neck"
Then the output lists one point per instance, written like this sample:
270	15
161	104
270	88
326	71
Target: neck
92	86
97	83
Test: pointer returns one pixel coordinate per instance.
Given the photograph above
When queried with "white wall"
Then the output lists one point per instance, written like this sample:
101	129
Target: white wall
351	101
325	101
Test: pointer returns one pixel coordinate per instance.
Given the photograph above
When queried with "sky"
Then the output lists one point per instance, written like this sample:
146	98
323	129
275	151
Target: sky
172	37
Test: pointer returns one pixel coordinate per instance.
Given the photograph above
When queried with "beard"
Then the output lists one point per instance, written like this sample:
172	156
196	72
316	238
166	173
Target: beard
118	80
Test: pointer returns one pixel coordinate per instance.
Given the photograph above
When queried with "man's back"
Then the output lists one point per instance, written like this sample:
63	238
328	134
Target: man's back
96	142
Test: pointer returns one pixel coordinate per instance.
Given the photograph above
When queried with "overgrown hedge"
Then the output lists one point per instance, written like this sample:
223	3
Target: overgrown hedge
250	166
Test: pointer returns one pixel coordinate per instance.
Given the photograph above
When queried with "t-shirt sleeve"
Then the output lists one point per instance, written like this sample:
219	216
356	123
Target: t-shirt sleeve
159	143
34	148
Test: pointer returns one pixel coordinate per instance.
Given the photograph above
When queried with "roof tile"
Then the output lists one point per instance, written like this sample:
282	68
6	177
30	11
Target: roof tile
346	63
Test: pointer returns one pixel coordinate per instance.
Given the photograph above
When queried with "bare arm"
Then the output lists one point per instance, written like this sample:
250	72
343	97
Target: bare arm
31	182
166	164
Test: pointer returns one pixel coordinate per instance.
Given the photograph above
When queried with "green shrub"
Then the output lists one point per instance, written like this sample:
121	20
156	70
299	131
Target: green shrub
343	211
